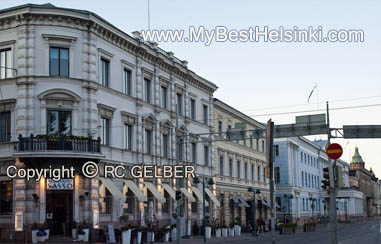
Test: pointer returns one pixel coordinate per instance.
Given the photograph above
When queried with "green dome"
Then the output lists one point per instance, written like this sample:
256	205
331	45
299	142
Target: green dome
357	157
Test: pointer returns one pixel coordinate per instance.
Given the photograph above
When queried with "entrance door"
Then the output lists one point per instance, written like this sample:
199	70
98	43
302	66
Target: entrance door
59	209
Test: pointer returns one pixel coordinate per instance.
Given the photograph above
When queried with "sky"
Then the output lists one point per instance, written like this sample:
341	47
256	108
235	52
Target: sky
263	79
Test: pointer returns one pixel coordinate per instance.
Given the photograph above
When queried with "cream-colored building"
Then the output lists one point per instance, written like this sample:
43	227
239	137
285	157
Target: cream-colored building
238	166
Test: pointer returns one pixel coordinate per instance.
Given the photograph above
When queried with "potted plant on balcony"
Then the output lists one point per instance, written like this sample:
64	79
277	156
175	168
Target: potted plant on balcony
41	235
150	234
231	230
47	231
173	232
237	227
34	233
74	230
224	230
218	231
167	231
126	234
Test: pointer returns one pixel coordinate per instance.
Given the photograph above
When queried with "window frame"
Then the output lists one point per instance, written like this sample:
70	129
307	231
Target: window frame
164	98
59	61
10	200
105	131
147	90
59	111
148	141
8	126
206	155
193	108
205	112
106	82
128	136
127	83
4	68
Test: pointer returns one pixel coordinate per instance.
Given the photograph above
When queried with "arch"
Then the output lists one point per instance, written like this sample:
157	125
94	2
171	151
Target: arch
59	93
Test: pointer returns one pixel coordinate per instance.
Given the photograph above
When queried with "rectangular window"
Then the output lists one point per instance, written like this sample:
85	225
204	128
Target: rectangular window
238	169
252	172
220	128
5	126
206	155
205	112
148	141
277	175
127	82
6	197
179	101
127	136
251	142
181	150
59	61
304	206
147	90
105	200
301	156
257	144
164	97
193	109
263	146
221	165
105	131
259	173
59	122
264	174
230	167
276	150
245	171
194	152
105	69
302	179
165	145
6	64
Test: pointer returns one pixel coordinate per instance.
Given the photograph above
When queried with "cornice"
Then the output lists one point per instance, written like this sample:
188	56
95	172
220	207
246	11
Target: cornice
95	25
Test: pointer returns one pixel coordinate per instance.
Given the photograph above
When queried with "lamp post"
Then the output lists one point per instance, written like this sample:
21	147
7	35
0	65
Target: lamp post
289	197
196	181
254	209
312	206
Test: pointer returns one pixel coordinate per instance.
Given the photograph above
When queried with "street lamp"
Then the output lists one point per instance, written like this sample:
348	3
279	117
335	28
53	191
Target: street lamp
210	182
254	208
312	206
289	197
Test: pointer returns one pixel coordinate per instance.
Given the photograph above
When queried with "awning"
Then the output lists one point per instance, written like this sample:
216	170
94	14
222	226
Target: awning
134	188
187	194
244	203
199	195
235	200
5	178
155	192
265	202
170	191
212	197
112	188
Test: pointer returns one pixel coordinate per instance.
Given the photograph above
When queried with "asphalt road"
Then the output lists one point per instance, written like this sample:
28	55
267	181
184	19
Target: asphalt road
367	232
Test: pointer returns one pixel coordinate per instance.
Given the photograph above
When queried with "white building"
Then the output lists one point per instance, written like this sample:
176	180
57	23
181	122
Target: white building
298	170
118	101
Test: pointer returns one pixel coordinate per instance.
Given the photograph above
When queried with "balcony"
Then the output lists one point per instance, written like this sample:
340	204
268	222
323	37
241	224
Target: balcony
58	146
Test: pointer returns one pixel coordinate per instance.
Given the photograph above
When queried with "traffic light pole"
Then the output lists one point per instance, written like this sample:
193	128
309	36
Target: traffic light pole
332	192
270	154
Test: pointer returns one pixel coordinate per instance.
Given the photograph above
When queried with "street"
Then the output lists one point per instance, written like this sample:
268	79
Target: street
366	232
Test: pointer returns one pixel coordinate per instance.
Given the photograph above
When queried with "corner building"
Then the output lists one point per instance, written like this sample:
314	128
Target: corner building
76	89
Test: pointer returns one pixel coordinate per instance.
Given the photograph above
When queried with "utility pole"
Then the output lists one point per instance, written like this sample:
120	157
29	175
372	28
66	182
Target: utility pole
270	154
179	182
332	192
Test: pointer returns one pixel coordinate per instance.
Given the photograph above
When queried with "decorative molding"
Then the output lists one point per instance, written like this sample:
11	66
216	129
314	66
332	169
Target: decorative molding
105	53
7	105
59	39
106	111
128	118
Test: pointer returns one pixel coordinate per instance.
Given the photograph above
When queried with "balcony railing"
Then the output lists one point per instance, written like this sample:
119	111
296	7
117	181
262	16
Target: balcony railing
61	143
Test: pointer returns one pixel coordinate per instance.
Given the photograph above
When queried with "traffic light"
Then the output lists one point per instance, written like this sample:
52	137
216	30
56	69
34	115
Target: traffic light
329	180
178	195
325	182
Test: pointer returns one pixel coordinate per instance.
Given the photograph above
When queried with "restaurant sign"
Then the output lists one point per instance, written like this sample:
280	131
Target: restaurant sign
63	184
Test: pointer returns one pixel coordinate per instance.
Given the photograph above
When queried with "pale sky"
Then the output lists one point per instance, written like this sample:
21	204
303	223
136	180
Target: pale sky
255	77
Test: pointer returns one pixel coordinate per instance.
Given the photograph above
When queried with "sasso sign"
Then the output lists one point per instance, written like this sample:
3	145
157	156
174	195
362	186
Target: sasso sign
63	184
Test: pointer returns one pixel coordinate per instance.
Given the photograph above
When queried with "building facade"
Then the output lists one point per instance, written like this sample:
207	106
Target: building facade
364	180
298	170
75	89
239	164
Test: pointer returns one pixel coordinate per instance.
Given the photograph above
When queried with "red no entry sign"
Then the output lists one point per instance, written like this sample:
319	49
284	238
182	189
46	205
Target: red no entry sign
334	151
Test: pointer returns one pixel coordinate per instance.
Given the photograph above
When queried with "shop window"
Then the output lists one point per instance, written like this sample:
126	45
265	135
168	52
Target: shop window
6	197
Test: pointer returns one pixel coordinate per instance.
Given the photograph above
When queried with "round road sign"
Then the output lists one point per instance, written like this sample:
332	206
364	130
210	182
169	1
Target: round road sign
334	151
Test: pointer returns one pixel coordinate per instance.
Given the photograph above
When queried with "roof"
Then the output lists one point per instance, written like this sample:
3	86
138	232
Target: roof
86	12
357	157
238	113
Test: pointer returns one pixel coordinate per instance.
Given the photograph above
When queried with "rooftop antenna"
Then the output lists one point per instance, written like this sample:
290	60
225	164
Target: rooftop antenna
149	20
